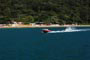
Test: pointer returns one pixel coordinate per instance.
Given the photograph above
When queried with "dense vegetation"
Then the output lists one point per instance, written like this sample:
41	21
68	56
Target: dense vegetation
48	11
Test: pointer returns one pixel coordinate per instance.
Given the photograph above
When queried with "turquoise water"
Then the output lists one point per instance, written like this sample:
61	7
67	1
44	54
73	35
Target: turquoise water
31	44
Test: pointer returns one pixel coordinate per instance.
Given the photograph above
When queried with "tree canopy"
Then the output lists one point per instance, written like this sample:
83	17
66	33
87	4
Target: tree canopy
48	11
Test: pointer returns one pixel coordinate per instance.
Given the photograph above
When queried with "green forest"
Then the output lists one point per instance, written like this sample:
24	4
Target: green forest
47	11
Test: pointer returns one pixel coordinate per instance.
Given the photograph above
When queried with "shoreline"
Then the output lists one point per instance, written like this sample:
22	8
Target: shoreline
46	26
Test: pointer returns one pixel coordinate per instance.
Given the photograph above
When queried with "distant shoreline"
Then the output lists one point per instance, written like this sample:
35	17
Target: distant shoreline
46	26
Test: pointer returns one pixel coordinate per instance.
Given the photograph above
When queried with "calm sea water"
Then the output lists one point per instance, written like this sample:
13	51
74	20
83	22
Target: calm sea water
31	44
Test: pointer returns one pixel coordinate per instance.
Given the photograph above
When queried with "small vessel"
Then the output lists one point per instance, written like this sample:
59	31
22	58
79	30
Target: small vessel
68	29
46	30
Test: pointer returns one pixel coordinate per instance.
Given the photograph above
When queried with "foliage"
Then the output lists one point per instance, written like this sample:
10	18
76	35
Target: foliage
48	11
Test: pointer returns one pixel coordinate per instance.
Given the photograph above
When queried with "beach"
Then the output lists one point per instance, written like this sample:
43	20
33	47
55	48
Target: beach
41	26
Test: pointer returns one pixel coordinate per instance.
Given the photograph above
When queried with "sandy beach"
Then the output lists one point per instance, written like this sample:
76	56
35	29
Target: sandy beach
42	26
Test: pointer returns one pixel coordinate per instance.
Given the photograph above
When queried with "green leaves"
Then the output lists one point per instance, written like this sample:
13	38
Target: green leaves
48	11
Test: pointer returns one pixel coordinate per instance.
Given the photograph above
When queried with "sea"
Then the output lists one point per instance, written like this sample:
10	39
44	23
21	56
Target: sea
32	44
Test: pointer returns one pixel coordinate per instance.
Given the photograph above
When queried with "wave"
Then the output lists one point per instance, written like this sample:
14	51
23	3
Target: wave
69	29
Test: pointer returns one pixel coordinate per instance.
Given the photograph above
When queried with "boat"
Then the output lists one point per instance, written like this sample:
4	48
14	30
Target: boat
68	29
46	30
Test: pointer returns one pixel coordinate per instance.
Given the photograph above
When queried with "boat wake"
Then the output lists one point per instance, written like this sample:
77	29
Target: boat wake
69	29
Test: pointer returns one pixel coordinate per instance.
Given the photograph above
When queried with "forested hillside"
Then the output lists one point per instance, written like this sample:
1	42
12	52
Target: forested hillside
48	11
